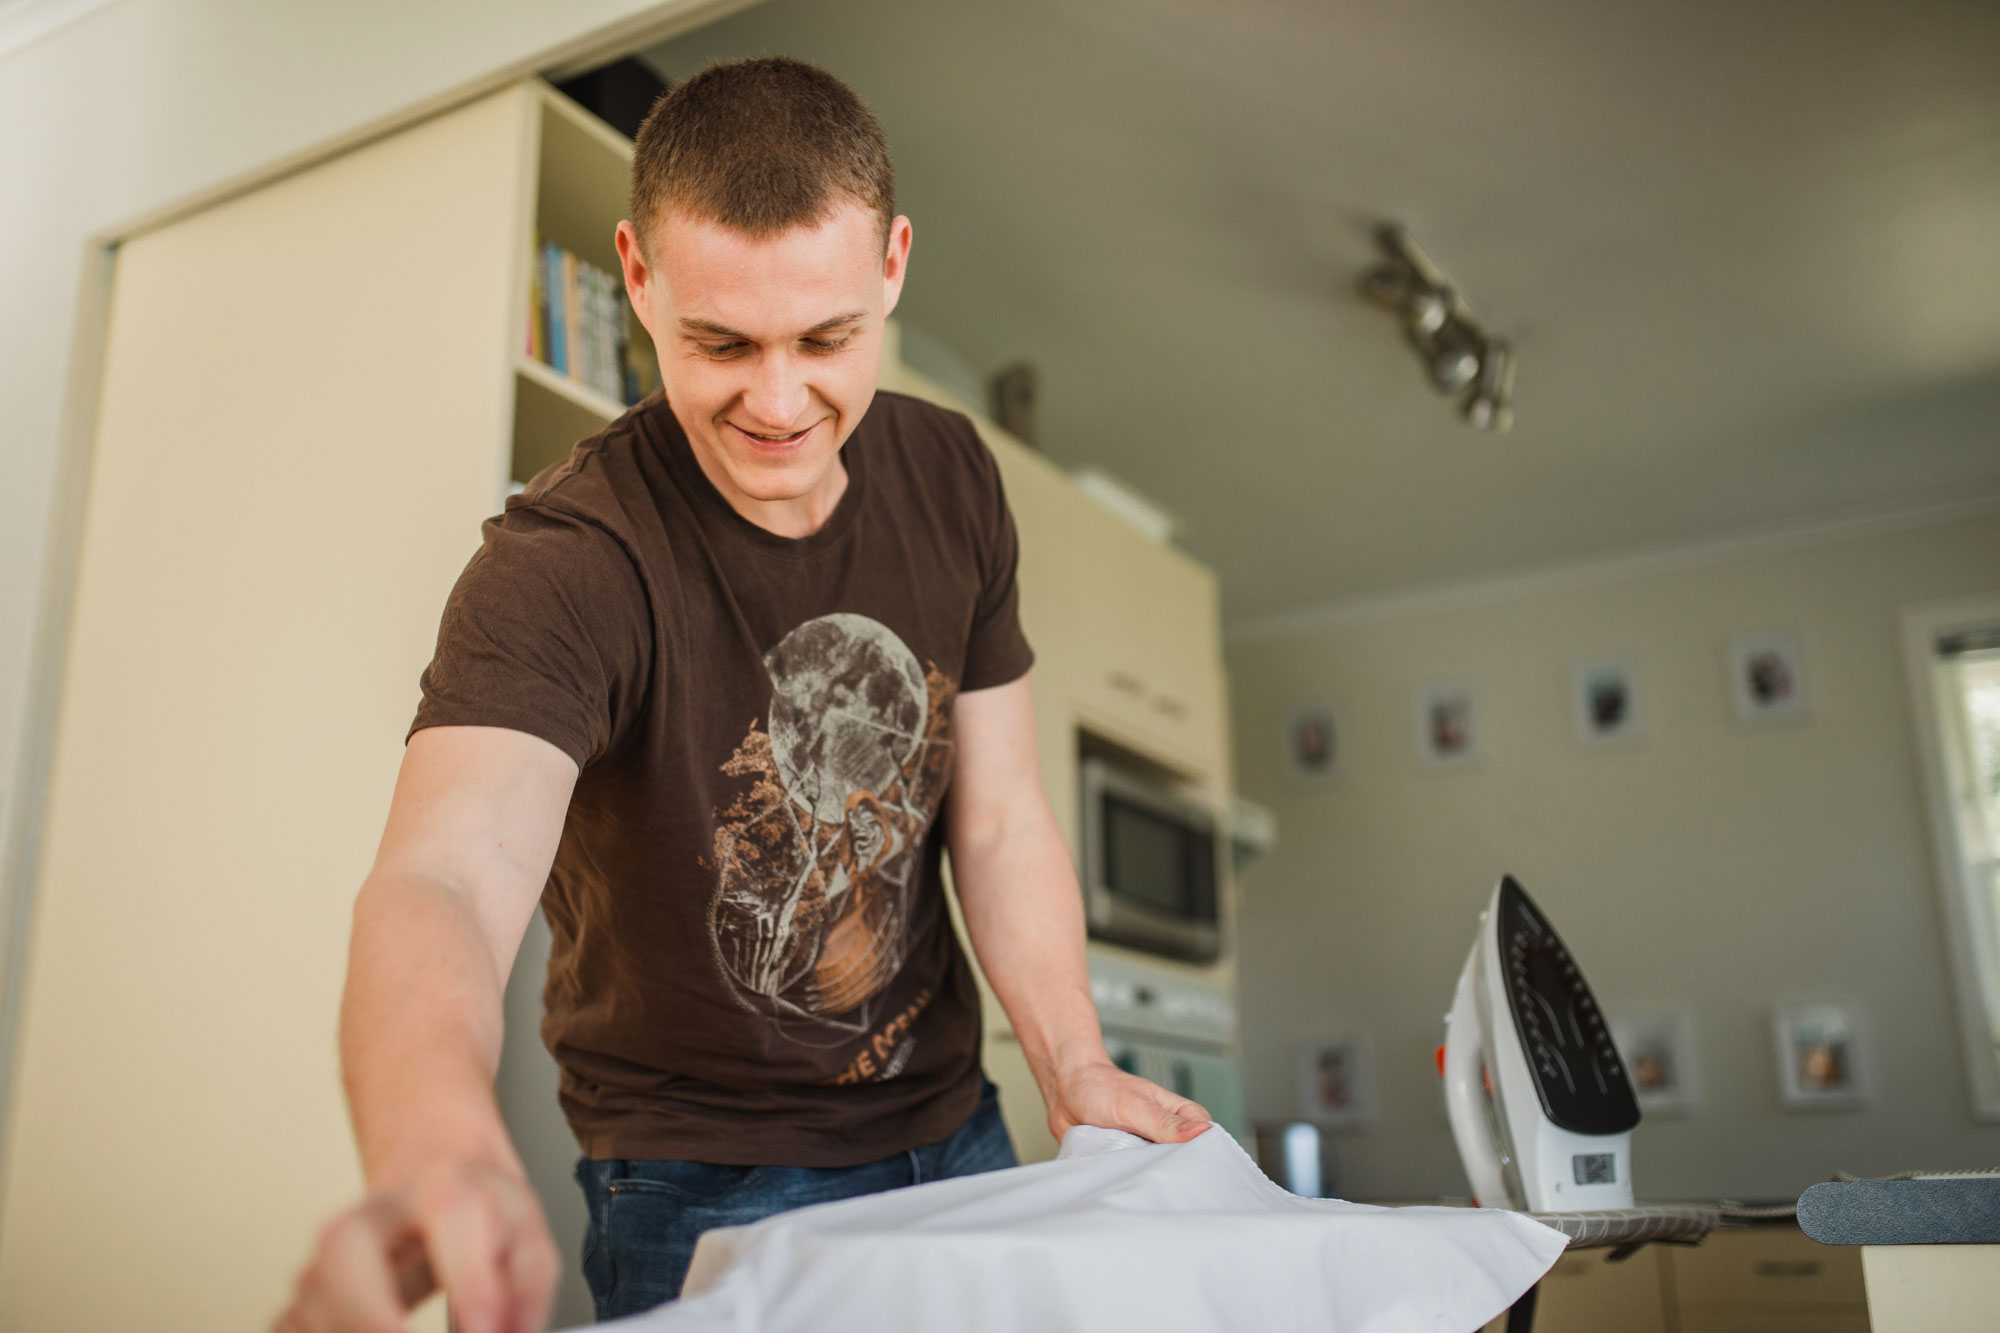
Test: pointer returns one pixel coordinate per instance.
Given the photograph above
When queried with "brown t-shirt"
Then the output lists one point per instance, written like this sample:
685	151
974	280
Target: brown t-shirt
752	960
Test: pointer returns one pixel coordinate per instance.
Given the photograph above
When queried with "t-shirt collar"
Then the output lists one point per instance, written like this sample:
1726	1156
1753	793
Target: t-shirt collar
672	441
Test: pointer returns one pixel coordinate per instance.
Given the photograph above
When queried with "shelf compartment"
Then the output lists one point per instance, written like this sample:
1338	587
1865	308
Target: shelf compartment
551	413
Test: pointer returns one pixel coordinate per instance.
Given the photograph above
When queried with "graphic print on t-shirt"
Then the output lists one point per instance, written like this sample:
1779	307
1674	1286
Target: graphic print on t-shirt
815	862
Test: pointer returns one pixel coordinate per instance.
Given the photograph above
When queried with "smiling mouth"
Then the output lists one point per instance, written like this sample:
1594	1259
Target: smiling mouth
792	438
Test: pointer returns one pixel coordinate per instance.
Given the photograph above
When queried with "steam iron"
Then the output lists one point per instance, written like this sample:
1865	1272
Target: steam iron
1540	1103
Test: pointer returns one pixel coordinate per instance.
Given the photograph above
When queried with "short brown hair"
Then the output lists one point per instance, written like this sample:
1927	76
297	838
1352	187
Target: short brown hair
762	146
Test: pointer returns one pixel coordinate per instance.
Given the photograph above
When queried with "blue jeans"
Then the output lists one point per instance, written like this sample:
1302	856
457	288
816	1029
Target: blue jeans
645	1216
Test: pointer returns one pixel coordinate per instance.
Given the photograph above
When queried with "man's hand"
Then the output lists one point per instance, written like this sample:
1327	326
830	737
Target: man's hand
471	834
471	1227
1102	1094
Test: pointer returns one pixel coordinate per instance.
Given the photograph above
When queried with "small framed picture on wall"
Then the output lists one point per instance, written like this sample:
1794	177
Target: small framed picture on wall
1605	701
1822	1063
1311	742
1767	677
1336	1082
1658	1051
1448	725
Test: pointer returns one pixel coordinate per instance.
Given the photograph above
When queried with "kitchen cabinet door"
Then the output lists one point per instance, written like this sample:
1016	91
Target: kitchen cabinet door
1586	1293
1768	1277
1150	667
302	420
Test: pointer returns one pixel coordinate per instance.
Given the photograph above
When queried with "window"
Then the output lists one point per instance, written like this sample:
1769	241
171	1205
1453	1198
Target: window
1954	657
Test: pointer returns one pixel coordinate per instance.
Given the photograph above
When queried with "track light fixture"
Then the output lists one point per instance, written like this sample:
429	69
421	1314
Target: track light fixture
1458	354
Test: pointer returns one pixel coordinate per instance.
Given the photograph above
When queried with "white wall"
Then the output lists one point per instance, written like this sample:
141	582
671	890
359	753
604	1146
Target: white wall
1717	867
138	106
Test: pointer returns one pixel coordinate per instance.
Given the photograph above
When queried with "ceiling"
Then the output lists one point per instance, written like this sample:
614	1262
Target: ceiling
1749	255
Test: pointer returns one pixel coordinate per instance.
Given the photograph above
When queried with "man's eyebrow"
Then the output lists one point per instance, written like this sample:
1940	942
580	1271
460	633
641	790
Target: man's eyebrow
715	330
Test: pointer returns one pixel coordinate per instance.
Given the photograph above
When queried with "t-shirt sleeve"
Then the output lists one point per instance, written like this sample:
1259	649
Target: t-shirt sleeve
547	631
997	651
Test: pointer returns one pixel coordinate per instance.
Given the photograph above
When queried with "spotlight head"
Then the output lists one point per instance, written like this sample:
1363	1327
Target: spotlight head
1452	371
1490	405
1396	286
1450	352
1427	309
1388	284
1456	351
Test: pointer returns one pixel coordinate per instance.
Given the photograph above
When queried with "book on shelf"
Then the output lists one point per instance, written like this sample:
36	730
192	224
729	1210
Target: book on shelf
581	328
538	315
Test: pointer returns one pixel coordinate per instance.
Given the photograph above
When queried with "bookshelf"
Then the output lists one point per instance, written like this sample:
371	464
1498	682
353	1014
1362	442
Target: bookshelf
581	168
551	413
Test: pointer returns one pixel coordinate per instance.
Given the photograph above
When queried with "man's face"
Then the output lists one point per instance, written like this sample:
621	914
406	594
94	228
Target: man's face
769	348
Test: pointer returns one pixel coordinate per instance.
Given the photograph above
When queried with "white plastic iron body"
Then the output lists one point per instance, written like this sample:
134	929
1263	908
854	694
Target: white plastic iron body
1515	1156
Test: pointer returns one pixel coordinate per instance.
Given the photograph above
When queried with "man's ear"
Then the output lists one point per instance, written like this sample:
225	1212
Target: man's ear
895	263
638	274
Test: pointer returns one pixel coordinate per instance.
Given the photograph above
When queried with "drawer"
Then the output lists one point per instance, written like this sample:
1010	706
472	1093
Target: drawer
1586	1293
1766	1319
1766	1268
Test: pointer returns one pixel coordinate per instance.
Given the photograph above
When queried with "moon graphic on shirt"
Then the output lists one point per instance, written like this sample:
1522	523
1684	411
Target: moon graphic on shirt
847	710
816	864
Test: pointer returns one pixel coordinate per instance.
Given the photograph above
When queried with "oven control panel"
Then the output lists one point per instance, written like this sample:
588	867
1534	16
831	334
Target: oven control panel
1135	999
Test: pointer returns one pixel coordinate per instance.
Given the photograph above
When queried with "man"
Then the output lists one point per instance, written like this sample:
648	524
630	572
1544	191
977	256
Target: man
715	691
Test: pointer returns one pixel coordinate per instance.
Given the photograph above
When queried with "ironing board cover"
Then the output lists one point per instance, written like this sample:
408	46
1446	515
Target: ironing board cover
1116	1233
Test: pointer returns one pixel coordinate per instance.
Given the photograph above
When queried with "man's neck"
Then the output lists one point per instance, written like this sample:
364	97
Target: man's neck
794	517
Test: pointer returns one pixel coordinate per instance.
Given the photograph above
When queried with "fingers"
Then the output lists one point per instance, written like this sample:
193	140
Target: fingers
1160	1115
348	1284
1181	1120
533	1267
464	1233
468	1227
491	1250
415	1279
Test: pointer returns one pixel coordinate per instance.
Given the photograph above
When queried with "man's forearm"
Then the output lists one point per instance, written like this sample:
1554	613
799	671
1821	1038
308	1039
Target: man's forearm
1024	914
420	1031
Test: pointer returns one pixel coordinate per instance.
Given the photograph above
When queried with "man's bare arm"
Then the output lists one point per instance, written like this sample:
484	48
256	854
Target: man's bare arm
472	831
1024	913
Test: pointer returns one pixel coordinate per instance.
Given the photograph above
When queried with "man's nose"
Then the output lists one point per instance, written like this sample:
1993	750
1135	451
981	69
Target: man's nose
776	396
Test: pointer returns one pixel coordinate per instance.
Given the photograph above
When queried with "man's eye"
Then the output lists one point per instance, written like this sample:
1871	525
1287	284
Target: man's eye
824	345
721	349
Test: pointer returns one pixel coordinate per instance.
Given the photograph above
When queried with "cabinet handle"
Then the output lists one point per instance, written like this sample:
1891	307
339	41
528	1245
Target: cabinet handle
1126	684
1170	707
1787	1268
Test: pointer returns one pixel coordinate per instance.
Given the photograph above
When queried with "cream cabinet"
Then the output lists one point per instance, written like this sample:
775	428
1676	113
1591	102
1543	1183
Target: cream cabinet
1127	632
1148	672
1588	1293
306	410
1775	1279
312	395
1127	643
1761	1279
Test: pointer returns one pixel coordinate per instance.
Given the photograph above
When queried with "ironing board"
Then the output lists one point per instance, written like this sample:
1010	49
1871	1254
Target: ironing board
1627	1229
1686	1223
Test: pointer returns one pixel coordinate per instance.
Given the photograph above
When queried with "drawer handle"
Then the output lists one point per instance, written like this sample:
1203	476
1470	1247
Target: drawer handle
1125	684
1172	708
1787	1268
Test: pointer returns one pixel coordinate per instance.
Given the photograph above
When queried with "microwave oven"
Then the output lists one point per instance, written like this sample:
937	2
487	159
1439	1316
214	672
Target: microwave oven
1152	870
